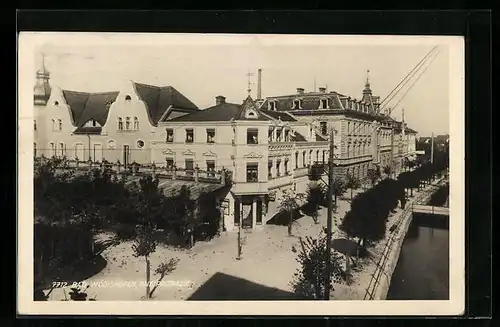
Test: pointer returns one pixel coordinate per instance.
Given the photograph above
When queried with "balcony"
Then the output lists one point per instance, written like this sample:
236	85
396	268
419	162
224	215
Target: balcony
249	188
280	146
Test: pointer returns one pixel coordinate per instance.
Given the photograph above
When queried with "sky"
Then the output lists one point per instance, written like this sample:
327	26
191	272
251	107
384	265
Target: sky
202	67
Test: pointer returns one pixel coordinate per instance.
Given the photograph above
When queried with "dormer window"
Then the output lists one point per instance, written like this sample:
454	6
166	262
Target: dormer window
120	124
56	103
92	123
128	98
127	123
273	105
323	103
59	125
136	123
297	104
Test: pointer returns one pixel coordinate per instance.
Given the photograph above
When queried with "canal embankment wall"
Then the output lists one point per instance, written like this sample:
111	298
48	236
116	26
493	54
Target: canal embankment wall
393	249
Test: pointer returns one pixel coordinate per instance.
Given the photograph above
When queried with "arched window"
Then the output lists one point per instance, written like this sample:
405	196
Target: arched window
59	123
296	160
62	149
303	159
127	123
53	148
136	123
120	124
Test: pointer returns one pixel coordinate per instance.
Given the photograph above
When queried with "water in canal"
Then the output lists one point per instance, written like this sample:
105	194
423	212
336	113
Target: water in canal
422	271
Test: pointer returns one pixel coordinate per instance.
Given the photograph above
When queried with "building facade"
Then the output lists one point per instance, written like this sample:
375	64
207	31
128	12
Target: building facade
365	134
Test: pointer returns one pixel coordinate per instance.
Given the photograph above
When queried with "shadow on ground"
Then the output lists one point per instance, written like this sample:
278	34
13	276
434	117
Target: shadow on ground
226	287
282	218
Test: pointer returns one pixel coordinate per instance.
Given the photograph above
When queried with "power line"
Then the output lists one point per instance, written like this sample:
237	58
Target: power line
407	77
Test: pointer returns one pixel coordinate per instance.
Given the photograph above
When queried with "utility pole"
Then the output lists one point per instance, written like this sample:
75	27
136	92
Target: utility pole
328	273
432	148
392	152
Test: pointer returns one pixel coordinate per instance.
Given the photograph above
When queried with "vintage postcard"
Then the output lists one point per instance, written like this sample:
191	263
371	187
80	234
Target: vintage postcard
240	174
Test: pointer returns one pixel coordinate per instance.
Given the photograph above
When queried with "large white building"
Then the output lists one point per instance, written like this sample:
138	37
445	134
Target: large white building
268	145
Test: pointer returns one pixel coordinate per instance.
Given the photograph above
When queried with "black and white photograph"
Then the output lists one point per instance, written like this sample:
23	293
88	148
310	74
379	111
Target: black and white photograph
240	174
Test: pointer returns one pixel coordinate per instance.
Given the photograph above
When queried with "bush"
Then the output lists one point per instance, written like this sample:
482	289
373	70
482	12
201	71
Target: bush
125	232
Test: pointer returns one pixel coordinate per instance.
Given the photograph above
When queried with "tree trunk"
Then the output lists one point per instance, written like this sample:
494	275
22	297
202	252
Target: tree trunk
148	277
290	224
351	193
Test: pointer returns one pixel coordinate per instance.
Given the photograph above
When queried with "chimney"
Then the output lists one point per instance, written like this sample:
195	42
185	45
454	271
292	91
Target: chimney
259	84
322	89
300	90
220	100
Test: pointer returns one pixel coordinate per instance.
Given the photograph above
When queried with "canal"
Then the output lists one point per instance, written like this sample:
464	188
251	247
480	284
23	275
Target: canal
422	271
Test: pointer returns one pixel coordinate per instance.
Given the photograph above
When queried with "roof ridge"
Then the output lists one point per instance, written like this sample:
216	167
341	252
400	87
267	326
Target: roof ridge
91	93
154	86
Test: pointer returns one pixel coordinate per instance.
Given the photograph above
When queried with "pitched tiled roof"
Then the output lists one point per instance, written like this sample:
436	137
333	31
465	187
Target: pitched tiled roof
320	138
222	112
310	101
88	130
284	116
85	106
159	99
298	137
410	130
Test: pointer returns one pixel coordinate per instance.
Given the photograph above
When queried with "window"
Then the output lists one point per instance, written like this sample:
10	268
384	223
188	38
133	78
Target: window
287	135
324	103
270	169
270	135
62	149
296	160
210	135
317	155
189	166
324	155
278	135
189	135
128	98
170	162
252	172
278	164
303	159
296	104
323	126
34	123
127	123
140	144
170	135
53	148
286	167
348	128
53	124
120	124
348	151
211	168
272	105
252	136
136	123
34	149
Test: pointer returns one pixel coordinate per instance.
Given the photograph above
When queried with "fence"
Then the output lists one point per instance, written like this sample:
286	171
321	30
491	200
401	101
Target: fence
160	171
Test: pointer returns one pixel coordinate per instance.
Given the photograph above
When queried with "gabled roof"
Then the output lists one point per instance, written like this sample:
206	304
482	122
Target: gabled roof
86	106
159	99
222	112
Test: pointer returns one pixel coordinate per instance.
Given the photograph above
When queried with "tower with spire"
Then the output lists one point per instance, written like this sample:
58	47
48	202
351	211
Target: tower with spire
42	86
